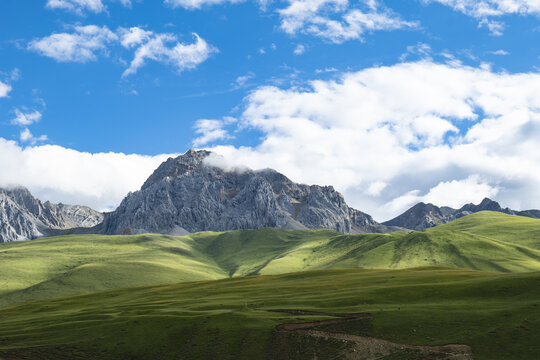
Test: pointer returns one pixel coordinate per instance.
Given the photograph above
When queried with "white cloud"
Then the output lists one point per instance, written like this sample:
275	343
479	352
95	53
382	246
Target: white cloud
86	42
27	137
134	36
496	28
485	9
165	48
325	70
452	193
445	133
376	188
64	175
79	46
299	50
421	49
212	130
500	52
242	80
337	21
197	4
26	118
82	6
4	89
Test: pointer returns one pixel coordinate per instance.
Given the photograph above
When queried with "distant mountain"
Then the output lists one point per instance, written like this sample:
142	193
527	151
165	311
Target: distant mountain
187	194
422	216
23	217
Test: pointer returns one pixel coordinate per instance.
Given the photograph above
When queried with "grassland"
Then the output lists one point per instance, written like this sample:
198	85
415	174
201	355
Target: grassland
497	314
60	266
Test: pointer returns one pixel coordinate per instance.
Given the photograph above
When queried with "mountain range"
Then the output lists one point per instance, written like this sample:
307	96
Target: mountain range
422	216
23	217
190	194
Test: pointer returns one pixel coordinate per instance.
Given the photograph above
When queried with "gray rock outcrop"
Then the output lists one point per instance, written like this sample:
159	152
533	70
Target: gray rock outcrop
187	194
23	217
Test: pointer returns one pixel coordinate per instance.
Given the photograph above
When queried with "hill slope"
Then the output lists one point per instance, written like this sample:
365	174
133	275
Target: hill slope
82	263
498	315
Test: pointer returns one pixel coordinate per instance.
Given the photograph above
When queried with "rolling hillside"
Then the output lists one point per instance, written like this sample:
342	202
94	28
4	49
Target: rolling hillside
74	264
496	314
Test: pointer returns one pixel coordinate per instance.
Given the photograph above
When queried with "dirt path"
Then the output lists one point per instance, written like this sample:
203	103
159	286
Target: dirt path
289	339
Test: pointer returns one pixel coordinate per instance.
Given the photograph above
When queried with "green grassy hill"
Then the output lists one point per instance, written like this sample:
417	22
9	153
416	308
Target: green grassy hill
497	314
74	264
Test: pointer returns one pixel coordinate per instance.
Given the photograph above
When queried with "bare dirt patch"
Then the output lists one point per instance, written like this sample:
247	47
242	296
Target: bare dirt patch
312	340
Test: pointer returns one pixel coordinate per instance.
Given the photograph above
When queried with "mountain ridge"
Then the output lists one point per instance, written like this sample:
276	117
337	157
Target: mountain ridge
423	216
23	217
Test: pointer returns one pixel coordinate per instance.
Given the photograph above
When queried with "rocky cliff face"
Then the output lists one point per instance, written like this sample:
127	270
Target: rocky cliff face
187	194
423	216
23	217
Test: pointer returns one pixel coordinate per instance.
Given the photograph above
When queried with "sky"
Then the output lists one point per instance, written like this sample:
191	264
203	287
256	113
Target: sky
391	102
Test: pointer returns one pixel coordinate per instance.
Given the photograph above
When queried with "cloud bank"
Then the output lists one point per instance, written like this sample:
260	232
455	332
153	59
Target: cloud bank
64	175
391	136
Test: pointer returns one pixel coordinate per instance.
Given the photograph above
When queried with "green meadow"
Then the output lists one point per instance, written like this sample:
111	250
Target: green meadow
475	281
497	314
73	264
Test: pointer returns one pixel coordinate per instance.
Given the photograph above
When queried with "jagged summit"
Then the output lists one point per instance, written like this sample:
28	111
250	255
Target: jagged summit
486	205
187	194
192	160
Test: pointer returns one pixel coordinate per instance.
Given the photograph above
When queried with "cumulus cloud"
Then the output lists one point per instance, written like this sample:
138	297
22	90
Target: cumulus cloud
64	175
390	136
82	6
4	89
85	43
337	20
26	136
80	46
209	131
485	10
26	118
164	48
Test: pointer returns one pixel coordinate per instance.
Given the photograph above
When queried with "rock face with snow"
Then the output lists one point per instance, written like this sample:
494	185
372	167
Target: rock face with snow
423	216
187	194
23	217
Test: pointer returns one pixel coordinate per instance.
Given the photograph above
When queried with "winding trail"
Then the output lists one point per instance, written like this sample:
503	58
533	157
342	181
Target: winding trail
361	347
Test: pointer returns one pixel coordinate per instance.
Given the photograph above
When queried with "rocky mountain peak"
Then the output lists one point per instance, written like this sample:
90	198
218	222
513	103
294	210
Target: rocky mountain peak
187	194
191	161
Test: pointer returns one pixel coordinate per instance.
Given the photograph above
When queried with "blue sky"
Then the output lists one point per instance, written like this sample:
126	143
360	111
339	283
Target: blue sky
214	68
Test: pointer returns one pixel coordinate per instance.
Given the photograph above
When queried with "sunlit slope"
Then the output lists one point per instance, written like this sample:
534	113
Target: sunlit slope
497	314
482	241
85	263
